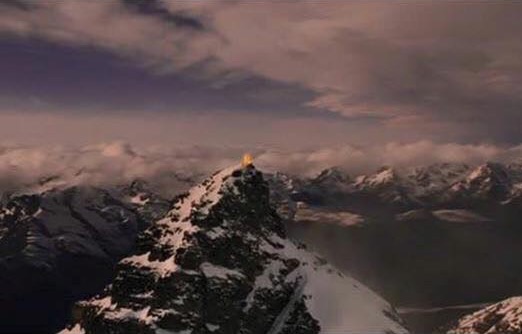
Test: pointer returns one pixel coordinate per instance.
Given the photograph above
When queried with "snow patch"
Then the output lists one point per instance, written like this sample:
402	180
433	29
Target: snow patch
162	268
139	199
212	270
141	315
340	303
212	327
77	329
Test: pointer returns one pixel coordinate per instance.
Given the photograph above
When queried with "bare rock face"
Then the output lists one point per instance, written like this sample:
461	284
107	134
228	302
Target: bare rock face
504	317
220	262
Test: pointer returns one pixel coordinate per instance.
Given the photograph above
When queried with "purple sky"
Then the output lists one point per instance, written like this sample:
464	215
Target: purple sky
283	74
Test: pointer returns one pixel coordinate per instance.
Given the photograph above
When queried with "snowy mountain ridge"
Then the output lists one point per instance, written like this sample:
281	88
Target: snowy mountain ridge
438	183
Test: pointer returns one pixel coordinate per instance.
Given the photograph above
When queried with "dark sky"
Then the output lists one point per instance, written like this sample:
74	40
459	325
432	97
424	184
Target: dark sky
288	73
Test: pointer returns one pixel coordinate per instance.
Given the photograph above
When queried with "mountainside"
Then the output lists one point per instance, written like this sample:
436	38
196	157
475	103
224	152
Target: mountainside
61	245
501	318
220	262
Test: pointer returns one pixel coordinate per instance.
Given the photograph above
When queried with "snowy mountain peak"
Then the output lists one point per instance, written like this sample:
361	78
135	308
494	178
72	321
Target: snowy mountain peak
220	262
384	176
490	180
493	172
333	174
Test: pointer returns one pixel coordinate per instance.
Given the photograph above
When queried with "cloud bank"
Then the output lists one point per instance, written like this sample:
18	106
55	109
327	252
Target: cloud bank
23	168
362	160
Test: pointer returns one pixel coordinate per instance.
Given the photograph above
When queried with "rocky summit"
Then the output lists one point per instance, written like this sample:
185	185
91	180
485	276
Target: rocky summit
220	262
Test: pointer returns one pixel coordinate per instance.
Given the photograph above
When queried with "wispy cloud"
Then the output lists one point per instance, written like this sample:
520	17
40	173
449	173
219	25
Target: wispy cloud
150	39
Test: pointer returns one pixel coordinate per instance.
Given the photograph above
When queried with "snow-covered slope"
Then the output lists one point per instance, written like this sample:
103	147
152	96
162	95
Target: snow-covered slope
82	221
220	262
501	318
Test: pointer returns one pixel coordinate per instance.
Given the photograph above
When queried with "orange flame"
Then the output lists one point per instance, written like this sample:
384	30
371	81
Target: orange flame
247	160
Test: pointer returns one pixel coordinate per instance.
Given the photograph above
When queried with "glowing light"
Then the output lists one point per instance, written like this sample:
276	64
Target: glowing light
247	160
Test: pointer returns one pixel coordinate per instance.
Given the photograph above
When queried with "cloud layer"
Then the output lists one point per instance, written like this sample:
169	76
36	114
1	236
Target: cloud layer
367	159
447	67
24	167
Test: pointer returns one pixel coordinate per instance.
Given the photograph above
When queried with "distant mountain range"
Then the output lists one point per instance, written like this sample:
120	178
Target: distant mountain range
440	185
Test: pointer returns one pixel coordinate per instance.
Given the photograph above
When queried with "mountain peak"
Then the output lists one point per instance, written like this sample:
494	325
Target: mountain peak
490	180
332	174
220	262
383	177
489	170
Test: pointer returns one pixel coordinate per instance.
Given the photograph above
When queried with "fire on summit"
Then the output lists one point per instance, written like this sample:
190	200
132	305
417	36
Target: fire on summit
248	160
